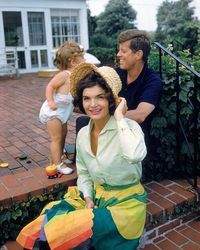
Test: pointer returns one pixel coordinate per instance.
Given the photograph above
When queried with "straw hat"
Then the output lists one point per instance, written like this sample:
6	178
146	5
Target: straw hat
107	73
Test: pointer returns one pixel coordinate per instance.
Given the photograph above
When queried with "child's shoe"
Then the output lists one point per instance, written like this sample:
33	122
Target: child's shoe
65	170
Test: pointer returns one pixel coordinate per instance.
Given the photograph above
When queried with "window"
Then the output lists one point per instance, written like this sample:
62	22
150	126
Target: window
34	58
36	28
65	26
43	58
13	28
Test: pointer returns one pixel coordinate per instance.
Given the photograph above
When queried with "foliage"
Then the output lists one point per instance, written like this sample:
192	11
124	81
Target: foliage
163	156
12	219
104	29
105	55
118	16
177	25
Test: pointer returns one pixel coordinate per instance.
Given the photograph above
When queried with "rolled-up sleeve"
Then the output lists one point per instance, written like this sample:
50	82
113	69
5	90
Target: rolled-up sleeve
131	139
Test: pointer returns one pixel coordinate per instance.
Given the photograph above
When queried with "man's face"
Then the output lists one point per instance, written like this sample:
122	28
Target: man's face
127	58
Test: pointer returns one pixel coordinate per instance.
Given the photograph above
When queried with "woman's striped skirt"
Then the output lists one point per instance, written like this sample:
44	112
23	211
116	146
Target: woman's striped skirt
116	222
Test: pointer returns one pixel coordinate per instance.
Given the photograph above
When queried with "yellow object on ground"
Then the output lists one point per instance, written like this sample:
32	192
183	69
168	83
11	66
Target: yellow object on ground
4	165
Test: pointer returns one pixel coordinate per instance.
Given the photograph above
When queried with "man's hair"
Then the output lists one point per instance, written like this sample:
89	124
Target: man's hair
139	40
91	80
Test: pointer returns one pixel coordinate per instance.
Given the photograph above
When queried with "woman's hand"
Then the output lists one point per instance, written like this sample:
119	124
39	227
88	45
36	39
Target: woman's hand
89	202
52	105
121	109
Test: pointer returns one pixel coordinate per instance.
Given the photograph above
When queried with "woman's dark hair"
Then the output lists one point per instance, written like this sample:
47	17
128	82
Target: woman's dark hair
89	81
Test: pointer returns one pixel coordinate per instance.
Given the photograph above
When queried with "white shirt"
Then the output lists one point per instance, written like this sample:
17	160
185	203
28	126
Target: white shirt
120	151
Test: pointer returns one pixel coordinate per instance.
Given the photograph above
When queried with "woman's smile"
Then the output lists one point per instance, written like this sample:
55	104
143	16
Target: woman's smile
95	103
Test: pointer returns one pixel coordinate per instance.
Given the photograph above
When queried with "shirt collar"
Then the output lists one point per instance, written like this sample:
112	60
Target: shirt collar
110	125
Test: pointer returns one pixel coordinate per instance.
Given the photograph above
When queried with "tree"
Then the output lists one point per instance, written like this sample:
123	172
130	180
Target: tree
177	24
92	24
118	16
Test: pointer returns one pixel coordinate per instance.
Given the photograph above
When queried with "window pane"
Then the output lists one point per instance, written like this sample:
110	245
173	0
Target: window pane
36	24
21	59
34	59
65	26
43	58
13	28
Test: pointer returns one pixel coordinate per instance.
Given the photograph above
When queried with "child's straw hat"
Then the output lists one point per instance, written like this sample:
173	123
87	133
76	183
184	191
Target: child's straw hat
107	73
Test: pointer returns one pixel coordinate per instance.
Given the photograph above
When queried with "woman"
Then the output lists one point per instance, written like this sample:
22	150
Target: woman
109	205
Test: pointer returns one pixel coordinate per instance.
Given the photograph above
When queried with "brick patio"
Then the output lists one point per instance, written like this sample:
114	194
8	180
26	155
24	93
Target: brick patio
21	132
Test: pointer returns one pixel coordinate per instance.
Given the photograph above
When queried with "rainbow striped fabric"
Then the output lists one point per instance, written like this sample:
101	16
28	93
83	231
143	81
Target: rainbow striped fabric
116	222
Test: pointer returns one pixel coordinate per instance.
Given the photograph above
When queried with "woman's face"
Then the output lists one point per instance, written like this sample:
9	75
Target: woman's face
95	103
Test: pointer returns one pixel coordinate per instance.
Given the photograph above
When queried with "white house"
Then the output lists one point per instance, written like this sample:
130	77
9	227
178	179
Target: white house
35	28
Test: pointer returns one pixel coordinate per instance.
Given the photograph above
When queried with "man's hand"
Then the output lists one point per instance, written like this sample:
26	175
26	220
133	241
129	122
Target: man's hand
121	109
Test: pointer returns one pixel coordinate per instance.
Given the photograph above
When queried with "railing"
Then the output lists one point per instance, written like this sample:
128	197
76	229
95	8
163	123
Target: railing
195	154
8	63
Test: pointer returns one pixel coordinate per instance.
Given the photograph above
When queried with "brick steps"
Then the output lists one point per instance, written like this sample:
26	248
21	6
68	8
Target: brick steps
170	203
173	208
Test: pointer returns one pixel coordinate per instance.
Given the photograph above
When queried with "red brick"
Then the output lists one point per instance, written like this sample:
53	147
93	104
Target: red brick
9	181
177	199
159	189
150	247
158	239
182	227
26	139
38	130
4	195
193	235
195	224
189	216
18	194
19	144
183	183
166	244
23	174
166	204
32	185
181	191
13	150
40	140
154	210
38	157
176	237
191	246
171	225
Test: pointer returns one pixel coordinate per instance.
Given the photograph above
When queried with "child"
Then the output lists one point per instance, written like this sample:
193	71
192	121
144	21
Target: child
58	107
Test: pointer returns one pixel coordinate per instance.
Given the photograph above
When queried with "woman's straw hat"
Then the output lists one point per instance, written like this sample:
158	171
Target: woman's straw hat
107	73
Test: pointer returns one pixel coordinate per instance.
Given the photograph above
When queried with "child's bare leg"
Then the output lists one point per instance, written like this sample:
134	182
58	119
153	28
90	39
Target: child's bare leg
54	128
64	133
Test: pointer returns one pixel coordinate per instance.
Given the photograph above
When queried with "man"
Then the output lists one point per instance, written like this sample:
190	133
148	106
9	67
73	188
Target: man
141	86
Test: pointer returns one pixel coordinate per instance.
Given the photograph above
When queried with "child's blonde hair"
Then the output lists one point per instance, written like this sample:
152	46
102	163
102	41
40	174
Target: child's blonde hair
66	53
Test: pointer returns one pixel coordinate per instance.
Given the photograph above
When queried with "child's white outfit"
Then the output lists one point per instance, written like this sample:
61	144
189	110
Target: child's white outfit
63	112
